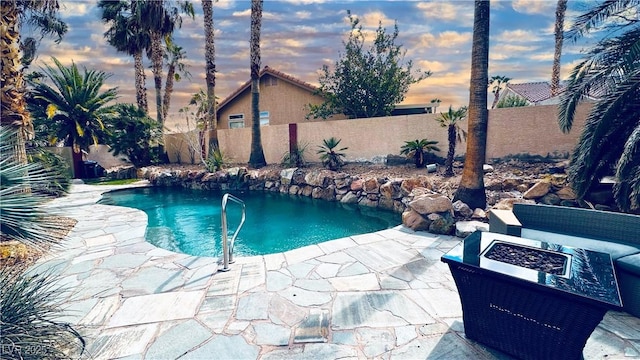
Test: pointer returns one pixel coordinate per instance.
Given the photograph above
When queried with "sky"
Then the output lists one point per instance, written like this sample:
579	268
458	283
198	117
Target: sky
300	36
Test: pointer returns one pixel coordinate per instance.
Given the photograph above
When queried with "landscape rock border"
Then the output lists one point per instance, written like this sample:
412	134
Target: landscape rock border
425	203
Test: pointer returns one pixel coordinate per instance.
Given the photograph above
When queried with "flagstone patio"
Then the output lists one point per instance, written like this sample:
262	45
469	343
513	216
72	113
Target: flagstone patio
383	295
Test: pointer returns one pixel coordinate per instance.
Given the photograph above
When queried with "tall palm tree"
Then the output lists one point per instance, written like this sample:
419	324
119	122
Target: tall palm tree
13	14
451	120
127	35
256	159
74	104
497	83
561	9
160	18
610	140
471	189
174	56
210	70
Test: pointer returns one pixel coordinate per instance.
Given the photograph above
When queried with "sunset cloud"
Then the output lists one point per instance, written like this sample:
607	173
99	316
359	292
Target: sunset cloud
300	36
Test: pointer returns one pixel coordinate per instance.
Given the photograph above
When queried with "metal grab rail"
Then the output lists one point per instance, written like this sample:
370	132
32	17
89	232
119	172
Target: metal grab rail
227	249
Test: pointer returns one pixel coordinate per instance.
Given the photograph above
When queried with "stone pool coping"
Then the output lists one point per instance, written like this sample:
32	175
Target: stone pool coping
379	295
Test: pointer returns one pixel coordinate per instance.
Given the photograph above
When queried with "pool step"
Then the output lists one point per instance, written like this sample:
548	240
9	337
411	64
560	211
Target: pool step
314	328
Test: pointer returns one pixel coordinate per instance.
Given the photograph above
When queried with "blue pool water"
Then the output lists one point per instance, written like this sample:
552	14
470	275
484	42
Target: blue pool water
188	221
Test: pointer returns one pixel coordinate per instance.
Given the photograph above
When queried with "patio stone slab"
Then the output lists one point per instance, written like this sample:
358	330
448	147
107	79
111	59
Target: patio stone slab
253	307
303	297
271	334
188	334
376	342
122	342
283	312
157	307
277	281
224	347
152	280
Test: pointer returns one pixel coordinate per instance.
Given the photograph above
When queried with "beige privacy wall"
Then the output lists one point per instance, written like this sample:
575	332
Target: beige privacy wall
529	130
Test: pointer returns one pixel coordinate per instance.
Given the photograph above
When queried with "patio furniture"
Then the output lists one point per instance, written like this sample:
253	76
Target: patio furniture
615	233
528	313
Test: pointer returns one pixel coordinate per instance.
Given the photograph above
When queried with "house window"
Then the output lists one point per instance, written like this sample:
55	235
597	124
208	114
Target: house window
270	81
236	121
264	118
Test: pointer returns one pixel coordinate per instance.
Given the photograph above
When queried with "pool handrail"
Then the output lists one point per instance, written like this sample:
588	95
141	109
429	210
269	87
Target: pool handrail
227	248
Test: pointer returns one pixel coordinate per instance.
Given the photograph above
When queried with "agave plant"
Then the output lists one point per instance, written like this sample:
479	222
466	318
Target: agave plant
295	158
330	157
29	309
417	149
22	190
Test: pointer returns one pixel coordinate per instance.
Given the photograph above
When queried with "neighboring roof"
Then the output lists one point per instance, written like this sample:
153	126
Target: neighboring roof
534	92
275	73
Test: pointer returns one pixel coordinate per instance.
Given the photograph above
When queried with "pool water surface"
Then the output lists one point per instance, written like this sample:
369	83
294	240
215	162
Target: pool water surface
189	221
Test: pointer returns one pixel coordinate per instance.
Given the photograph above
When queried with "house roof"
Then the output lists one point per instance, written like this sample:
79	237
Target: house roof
275	73
535	91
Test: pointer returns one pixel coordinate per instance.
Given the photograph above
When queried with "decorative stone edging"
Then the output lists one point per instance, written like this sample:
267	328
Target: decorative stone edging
422	207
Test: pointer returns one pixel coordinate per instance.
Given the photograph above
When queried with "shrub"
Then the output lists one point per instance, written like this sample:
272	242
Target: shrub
29	310
216	160
59	169
331	158
134	134
295	159
418	149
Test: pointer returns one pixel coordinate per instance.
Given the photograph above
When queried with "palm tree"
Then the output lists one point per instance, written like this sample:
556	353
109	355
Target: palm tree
331	157
160	18
174	56
497	83
610	140
451	120
126	35
471	189
561	9
256	159
210	69
43	15
73	103
417	149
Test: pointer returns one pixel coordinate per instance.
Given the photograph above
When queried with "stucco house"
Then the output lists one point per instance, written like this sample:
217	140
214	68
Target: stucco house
283	100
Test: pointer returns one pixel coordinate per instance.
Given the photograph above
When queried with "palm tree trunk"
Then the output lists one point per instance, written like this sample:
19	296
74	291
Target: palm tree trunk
471	189
210	70
559	34
452	150
140	78
495	98
156	64
168	90
256	159
13	109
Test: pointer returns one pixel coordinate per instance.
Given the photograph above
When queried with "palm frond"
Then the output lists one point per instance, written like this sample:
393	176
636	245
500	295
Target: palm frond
598	16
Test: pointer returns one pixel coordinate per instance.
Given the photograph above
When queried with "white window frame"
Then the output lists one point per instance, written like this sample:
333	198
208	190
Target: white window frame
264	118
236	119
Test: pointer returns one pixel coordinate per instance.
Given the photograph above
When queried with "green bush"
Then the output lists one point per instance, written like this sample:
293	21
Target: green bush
135	135
58	168
216	160
296	159
331	158
30	307
418	150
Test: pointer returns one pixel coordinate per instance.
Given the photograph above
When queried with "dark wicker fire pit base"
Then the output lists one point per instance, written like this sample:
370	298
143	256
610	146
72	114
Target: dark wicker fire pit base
544	305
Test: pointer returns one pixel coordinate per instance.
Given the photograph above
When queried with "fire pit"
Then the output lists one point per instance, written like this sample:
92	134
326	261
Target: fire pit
549	262
531	299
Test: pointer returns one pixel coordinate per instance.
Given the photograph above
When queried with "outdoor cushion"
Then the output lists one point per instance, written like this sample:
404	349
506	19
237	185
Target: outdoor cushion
630	263
616	250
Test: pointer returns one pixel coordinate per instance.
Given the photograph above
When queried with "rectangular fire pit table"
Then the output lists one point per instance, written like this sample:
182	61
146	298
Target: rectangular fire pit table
508	304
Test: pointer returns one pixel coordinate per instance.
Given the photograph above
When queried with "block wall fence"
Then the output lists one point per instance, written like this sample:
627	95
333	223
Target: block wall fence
531	130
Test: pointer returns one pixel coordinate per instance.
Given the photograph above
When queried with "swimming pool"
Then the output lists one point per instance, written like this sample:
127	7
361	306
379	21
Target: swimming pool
188	221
